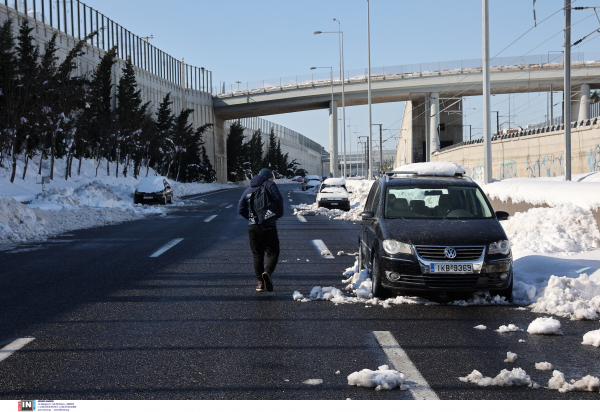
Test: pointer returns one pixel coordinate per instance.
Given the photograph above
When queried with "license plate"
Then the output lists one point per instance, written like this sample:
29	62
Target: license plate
147	197
334	204
451	268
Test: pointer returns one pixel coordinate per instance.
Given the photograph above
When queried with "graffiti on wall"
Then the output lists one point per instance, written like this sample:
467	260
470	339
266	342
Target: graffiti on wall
508	170
553	166
533	167
594	158
476	172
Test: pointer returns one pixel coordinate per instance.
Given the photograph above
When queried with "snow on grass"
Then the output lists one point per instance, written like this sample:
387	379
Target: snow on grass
516	377
544	326
88	199
586	384
592	338
509	328
544	366
382	378
511	357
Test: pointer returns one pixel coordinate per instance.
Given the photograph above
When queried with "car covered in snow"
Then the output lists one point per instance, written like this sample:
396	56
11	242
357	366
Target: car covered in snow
433	230
153	189
333	194
311	181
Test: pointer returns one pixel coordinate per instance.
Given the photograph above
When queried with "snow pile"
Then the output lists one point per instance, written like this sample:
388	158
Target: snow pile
511	357
516	377
583	191
313	381
326	293
297	295
592	338
562	229
587	383
382	378
544	366
432	168
480	327
544	326
509	328
358	190
578	298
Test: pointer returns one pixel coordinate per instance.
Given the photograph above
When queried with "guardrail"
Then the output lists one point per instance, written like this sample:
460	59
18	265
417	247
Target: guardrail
75	19
544	61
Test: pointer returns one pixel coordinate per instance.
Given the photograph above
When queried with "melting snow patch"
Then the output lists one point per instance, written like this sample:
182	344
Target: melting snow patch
383	378
544	326
586	384
544	366
511	357
516	377
313	381
509	328
578	298
480	327
592	338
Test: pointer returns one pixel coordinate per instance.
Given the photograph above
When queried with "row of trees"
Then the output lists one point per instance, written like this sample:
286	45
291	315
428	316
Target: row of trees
46	110
245	160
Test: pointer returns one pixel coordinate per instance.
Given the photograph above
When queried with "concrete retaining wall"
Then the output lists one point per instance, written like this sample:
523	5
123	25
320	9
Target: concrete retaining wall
531	156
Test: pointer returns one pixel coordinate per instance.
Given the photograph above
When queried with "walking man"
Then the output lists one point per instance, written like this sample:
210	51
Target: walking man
263	235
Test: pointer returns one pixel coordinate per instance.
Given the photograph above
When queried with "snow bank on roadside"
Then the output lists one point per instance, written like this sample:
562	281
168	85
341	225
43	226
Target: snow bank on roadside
577	298
586	384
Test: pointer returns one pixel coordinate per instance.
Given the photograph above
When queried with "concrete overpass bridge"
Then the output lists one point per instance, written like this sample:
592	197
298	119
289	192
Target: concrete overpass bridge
445	86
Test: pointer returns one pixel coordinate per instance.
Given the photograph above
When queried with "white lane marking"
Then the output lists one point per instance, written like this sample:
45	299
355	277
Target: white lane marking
399	359
166	247
227	207
208	219
321	247
301	218
290	200
12	347
208	194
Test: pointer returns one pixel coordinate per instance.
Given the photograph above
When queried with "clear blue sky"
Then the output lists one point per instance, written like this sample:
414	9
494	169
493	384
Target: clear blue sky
267	39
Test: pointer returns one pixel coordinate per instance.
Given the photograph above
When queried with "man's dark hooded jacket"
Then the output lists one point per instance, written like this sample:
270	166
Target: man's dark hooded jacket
244	204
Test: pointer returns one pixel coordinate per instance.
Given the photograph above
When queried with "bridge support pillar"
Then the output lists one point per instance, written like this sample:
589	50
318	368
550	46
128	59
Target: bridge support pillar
333	140
219	150
434	121
580	103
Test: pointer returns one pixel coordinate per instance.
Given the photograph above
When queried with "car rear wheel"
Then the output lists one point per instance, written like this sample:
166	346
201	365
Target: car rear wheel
378	290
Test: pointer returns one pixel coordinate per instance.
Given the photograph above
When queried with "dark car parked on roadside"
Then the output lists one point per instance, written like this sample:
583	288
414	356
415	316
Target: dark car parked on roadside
433	234
153	189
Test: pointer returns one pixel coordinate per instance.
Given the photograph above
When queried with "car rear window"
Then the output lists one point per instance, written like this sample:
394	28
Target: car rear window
436	202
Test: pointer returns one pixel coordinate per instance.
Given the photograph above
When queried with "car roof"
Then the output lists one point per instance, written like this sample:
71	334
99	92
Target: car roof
412	180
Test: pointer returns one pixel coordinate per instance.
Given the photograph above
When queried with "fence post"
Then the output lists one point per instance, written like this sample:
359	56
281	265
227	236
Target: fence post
461	68
439	71
420	72
401	72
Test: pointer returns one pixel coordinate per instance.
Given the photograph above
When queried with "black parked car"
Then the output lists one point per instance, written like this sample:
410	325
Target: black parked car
153	189
433	234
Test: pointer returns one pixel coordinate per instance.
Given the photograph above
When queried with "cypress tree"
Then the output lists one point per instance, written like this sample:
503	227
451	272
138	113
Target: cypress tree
270	160
7	84
255	158
235	152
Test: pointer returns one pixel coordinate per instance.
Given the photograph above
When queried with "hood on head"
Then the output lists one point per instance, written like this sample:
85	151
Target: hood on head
258	180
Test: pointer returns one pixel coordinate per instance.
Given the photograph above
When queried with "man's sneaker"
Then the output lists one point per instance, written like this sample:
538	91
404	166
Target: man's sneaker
261	286
268	282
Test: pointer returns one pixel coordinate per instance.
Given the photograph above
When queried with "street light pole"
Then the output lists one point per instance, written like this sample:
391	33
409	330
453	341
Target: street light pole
341	42
370	169
380	145
487	141
567	90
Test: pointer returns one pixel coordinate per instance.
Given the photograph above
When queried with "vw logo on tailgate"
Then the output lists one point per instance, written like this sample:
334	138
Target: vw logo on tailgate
450	253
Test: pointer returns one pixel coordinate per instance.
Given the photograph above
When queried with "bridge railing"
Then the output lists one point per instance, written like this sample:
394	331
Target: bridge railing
75	19
323	79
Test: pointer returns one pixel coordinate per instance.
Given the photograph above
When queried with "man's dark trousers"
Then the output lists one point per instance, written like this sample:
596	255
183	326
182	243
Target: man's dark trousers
263	238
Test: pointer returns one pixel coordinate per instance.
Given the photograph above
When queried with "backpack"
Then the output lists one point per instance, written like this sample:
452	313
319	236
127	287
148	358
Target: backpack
262	204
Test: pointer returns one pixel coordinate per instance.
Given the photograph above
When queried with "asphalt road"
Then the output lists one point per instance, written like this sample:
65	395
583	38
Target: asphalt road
112	322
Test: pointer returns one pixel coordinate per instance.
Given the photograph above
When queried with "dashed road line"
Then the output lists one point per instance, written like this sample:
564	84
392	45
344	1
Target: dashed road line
208	194
166	247
208	219
419	388
227	207
290	200
301	218
12	347
322	248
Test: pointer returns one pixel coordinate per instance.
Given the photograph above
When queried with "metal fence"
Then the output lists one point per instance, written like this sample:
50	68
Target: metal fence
77	20
543	61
